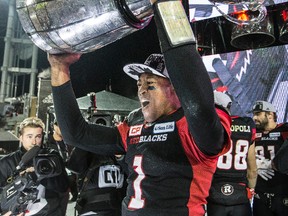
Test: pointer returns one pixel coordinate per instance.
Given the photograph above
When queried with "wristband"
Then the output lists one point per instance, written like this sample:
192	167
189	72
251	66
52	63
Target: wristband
250	193
175	22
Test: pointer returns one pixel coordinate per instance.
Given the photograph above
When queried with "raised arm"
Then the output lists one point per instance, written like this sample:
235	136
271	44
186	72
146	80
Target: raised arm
75	130
189	76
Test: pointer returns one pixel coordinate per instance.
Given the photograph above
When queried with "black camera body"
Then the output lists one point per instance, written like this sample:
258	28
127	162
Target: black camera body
16	195
23	188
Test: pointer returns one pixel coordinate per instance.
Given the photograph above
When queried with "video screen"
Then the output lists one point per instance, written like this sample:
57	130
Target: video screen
251	75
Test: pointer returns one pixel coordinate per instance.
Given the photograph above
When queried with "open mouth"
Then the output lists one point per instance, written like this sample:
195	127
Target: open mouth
145	103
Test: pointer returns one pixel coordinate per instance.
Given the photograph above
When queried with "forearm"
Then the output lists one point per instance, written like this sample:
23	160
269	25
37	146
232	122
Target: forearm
252	178
59	75
76	131
251	167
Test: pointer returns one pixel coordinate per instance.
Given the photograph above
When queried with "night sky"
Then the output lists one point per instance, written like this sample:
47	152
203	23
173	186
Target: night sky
97	69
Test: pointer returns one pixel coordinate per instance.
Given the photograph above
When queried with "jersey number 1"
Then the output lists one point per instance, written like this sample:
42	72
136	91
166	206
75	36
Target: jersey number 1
137	201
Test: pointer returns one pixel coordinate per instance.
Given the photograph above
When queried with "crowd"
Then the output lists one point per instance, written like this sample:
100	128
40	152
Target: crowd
181	153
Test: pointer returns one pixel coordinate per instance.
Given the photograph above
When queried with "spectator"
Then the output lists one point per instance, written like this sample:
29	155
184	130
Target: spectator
173	141
236	172
271	196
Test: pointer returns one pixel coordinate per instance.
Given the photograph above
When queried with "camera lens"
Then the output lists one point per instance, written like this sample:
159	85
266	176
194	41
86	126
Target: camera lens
45	167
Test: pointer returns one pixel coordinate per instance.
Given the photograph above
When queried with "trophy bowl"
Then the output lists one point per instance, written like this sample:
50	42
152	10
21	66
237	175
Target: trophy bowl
81	26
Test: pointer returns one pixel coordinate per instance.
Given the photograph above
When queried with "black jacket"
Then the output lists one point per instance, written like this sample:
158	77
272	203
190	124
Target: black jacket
56	188
97	194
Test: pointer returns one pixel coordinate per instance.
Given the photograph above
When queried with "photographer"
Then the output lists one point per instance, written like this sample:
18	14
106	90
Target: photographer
52	183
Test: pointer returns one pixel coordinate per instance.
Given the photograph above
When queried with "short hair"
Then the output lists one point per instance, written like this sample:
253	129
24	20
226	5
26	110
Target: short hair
32	122
275	116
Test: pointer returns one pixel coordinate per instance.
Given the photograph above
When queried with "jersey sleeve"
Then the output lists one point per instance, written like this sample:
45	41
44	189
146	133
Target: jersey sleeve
193	87
77	131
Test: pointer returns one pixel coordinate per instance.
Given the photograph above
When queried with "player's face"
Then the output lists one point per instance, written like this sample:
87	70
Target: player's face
261	120
157	96
31	137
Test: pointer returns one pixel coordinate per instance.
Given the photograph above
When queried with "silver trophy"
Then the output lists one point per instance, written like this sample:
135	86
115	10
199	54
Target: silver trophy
81	26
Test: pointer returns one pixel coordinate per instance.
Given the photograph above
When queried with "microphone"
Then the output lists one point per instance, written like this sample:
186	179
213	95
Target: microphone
29	155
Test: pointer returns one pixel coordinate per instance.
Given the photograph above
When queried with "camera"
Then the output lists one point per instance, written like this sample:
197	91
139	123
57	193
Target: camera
23	189
16	195
47	165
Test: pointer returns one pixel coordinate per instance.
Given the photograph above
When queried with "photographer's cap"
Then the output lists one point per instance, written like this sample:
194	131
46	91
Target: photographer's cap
154	64
222	99
263	106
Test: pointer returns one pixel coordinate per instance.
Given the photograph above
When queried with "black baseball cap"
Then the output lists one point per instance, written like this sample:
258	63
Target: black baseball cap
154	64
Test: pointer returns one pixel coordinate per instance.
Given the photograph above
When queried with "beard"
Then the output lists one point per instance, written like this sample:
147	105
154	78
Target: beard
262	125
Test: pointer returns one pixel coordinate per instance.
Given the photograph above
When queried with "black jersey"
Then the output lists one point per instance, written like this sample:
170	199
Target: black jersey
230	179
267	145
165	152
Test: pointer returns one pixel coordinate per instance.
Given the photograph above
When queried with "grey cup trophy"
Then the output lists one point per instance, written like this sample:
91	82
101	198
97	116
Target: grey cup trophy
82	26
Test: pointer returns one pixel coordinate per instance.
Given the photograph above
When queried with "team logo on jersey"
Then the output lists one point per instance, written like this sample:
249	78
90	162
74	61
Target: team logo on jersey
269	138
227	189
135	130
275	134
164	127
258	135
153	138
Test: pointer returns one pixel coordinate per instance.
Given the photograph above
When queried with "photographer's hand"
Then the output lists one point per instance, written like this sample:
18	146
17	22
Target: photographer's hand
57	133
29	169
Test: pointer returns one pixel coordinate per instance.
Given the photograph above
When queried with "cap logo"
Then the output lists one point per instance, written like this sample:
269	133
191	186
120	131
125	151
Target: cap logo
154	64
258	106
135	69
155	61
263	106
